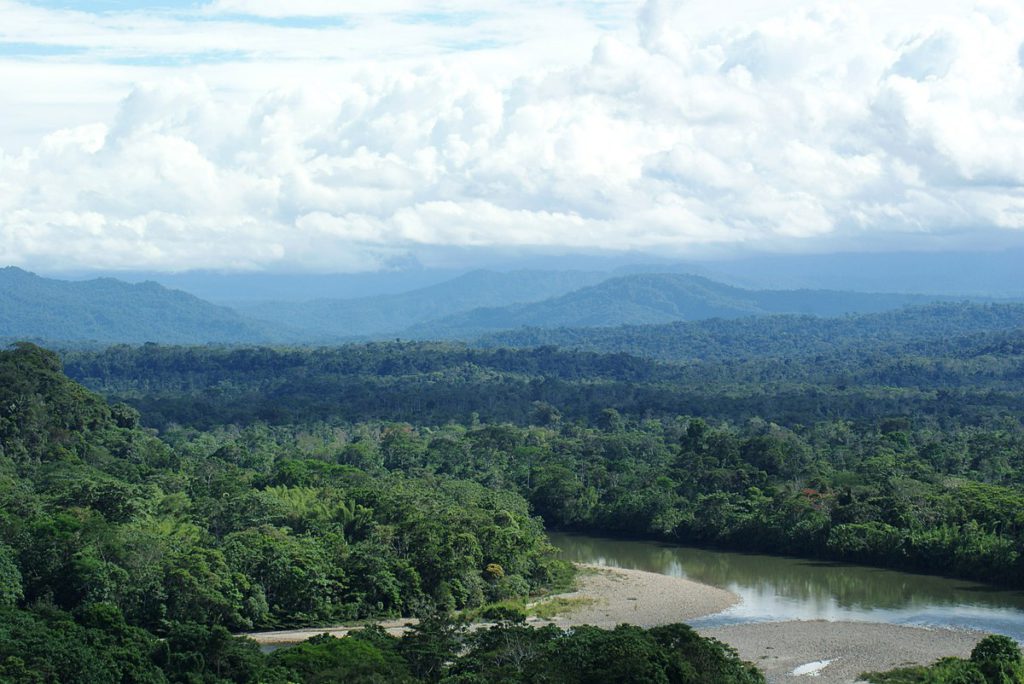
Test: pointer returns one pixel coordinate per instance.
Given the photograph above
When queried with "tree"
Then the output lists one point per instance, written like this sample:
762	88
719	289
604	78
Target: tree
999	659
10	578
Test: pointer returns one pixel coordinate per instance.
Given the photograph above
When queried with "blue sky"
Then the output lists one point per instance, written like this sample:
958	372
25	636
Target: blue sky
344	135
101	6
186	10
105	28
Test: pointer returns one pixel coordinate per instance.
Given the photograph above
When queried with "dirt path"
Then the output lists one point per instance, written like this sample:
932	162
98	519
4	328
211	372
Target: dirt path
293	636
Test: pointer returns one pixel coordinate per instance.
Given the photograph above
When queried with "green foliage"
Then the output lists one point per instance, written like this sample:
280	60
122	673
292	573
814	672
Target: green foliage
995	660
946	671
936	364
999	658
860	493
671	654
504	611
430	644
932	326
357	659
237	530
10	578
266	503
47	645
197	653
885	455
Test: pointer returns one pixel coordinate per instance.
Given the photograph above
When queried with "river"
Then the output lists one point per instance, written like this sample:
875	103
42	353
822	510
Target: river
774	588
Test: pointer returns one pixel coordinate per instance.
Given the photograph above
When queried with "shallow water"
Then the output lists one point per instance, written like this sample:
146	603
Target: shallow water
774	588
811	669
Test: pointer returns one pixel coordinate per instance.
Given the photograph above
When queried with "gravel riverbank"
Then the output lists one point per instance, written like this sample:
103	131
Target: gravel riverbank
641	598
838	652
813	651
795	651
608	597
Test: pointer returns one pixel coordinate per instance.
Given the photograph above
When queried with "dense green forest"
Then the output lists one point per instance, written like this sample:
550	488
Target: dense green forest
44	645
908	330
952	380
126	558
886	494
226	489
909	457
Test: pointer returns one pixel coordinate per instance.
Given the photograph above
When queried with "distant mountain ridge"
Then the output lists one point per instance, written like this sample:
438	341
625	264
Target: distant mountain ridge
109	310
386	315
470	306
654	298
994	271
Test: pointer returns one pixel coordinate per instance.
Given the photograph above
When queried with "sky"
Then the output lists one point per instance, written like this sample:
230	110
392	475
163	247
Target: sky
343	135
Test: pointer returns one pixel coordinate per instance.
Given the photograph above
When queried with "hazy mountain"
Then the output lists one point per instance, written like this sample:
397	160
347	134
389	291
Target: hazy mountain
231	288
465	307
785	336
108	310
325	319
995	273
651	298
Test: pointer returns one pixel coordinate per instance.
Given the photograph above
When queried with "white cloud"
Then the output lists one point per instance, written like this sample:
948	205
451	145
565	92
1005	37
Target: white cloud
806	125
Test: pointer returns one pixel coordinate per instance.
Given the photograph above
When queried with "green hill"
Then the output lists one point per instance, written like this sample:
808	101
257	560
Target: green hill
109	310
653	298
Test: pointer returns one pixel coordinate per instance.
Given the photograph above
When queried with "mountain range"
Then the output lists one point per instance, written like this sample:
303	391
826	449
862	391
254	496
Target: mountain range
391	314
653	298
471	305
993	272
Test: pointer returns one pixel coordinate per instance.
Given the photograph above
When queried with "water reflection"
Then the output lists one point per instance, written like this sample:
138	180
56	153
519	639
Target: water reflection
775	588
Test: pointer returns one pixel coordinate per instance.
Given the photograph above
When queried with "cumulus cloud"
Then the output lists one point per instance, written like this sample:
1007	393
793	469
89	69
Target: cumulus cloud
805	126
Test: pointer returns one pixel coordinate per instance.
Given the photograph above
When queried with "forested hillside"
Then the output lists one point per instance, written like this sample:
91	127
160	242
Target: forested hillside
244	513
127	558
108	310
